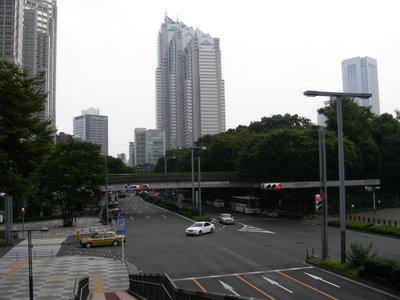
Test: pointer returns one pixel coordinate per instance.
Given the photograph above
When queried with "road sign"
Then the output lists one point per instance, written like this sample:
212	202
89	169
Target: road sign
120	226
120	223
318	184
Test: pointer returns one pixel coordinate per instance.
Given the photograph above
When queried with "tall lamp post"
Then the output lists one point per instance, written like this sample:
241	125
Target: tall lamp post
165	169
339	97
193	148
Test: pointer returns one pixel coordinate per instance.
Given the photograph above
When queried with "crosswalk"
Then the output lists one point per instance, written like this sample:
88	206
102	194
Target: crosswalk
42	247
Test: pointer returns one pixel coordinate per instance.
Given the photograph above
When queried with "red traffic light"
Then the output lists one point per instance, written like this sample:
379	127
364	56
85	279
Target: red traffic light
271	186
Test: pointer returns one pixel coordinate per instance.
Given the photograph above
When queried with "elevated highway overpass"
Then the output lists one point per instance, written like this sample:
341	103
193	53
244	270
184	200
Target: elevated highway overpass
161	181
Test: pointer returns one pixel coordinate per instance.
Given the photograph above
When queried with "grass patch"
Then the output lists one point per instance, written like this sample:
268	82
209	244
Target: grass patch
4	244
337	265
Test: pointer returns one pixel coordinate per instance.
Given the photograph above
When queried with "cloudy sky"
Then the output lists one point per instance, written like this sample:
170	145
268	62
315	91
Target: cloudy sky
272	51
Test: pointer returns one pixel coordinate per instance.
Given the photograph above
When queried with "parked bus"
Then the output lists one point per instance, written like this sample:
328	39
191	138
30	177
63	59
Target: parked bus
245	204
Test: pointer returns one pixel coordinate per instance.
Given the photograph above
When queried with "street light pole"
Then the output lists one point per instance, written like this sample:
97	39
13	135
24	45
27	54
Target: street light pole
192	174
373	198
339	96
198	159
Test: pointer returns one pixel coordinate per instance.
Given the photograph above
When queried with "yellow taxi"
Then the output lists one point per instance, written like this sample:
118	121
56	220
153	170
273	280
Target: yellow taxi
103	238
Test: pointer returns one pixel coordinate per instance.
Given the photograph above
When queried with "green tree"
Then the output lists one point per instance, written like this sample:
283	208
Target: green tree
357	128
286	121
117	166
72	176
25	139
386	132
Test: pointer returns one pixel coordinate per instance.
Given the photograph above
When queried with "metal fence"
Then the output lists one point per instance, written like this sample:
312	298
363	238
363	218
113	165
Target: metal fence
160	287
377	221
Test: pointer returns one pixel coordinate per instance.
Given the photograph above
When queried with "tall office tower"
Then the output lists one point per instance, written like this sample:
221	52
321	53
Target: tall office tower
131	154
190	93
155	145
140	146
28	37
11	30
92	127
360	75
149	145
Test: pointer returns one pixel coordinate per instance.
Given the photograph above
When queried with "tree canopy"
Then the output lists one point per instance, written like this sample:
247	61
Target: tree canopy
25	139
72	176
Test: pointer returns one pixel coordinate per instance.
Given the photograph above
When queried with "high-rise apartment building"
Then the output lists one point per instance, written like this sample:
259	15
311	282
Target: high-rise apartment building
190	93
149	145
28	37
92	127
360	75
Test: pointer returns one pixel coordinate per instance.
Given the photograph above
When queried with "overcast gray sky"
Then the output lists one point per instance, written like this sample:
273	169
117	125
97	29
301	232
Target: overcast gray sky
272	51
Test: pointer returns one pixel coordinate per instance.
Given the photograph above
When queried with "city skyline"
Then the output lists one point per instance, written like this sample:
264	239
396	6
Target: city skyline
271	53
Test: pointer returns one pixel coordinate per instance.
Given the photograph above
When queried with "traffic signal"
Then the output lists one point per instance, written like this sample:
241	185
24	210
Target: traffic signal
271	186
318	203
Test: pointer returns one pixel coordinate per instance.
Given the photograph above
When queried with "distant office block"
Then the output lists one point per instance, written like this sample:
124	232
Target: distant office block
360	75
149	146
92	128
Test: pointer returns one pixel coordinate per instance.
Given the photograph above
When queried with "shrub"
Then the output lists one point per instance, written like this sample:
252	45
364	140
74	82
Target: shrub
358	254
335	264
382	271
385	229
201	218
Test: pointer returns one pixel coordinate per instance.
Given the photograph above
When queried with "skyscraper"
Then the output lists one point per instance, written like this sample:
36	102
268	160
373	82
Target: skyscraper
28	37
92	127
360	75
190	93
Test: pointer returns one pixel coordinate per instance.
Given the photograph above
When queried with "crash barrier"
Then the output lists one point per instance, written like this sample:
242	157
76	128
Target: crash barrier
81	289
374	220
160	287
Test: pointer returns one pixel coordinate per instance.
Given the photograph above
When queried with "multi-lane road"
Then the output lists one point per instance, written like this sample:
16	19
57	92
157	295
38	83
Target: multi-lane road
256	257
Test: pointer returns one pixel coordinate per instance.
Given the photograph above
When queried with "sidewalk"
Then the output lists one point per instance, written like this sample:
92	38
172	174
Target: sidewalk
54	276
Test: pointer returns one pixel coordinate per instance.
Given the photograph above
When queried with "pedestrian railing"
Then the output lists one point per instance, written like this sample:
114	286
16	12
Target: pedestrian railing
81	289
160	287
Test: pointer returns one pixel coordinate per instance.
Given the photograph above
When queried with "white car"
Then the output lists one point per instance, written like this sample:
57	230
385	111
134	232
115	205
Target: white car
218	203
198	228
226	219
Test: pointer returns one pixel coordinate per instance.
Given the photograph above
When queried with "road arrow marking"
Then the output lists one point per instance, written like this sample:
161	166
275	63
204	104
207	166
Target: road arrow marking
277	284
229	288
248	228
323	280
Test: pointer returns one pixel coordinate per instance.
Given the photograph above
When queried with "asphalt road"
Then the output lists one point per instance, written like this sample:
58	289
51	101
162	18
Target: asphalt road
256	257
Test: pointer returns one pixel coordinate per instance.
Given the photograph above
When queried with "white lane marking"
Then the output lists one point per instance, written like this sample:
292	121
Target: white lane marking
163	216
277	284
148	217
229	288
131	218
321	279
244	273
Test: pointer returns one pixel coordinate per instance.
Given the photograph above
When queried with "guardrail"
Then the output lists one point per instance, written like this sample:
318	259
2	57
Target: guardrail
160	287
